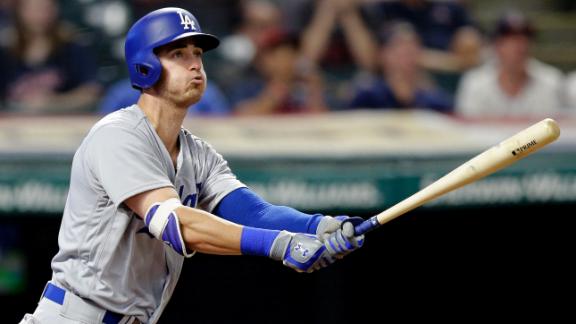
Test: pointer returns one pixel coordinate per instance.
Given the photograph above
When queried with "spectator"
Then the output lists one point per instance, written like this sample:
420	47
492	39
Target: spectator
451	43
513	84
338	40
258	18
121	95
44	69
401	81
238	50
284	82
5	9
334	33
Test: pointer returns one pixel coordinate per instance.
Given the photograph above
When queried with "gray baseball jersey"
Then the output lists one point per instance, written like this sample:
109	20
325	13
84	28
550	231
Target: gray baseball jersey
106	254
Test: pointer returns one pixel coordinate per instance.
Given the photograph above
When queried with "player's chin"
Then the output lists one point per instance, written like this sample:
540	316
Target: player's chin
190	99
193	95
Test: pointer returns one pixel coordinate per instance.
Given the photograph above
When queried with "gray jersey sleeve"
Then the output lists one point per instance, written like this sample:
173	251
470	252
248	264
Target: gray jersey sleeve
125	163
218	179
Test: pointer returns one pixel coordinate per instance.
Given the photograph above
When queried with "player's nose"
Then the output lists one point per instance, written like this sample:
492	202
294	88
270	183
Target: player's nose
195	63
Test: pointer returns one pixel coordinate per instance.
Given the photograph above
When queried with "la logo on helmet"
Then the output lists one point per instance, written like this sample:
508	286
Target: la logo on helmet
186	21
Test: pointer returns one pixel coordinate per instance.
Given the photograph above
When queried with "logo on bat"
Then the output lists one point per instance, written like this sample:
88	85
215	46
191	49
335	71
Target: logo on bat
524	147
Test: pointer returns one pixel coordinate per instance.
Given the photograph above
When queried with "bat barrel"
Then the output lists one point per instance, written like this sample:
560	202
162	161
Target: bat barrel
530	139
493	159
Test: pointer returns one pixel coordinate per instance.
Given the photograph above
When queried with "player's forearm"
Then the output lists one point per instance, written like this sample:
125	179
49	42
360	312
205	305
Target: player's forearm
243	206
206	233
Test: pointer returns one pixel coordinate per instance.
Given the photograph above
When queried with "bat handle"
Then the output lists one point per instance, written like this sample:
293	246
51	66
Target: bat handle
367	226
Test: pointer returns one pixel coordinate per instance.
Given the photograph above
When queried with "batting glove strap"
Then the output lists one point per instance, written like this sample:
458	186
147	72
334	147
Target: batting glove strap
280	245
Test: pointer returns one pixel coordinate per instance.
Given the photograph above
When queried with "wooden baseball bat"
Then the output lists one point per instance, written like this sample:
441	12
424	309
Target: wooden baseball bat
493	159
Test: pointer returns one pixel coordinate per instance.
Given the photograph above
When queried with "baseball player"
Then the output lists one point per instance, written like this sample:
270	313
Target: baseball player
145	194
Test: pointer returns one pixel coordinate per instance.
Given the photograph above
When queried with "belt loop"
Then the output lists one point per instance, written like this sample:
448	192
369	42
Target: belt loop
127	319
133	320
44	290
113	318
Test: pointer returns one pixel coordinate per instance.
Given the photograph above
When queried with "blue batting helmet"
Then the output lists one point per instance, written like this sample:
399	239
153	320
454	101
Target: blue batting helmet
158	28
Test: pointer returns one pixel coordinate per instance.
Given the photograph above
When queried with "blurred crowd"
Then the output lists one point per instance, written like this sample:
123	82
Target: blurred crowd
288	56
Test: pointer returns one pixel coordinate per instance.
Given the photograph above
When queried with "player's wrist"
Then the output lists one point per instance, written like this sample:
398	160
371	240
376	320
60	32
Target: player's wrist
257	241
280	245
314	222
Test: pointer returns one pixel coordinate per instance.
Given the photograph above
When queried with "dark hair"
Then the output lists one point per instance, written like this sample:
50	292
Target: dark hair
277	37
395	28
513	22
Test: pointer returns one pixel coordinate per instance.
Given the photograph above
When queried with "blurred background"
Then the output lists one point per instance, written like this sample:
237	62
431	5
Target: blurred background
331	106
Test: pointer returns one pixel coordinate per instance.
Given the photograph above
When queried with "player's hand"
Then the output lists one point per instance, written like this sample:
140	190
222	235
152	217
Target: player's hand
343	241
301	252
338	234
329	224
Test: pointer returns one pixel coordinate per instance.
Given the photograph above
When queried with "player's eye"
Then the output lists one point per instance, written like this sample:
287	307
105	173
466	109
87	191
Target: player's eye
198	52
177	54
